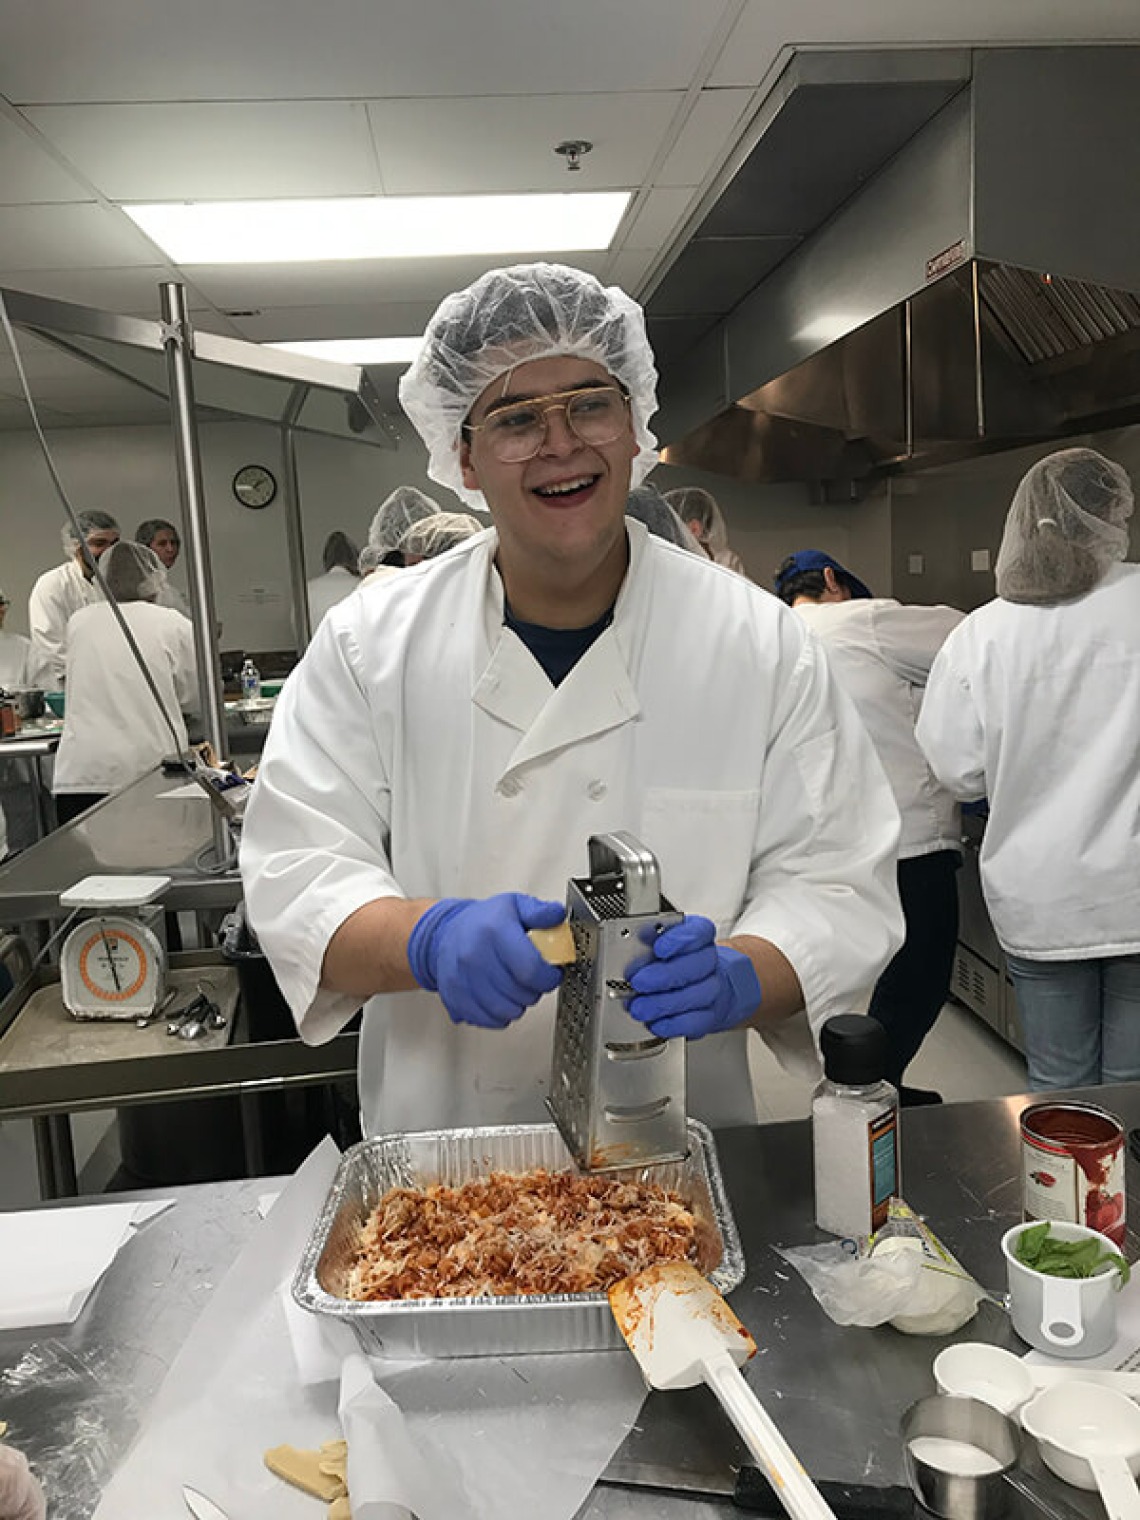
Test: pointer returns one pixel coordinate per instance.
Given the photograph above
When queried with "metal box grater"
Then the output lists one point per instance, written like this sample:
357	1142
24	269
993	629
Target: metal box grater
617	1092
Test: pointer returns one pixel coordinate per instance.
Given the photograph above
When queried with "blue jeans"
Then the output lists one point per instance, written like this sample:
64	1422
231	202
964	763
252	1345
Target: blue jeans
1081	1020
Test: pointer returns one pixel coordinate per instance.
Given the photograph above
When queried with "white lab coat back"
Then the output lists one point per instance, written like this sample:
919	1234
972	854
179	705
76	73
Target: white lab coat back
170	595
23	663
327	590
420	750
1038	708
56	595
881	653
113	732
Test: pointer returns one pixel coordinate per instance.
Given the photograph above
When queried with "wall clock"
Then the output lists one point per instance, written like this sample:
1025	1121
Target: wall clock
254	486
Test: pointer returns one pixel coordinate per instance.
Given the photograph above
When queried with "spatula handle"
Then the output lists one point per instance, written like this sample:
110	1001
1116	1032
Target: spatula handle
795	1490
850	1501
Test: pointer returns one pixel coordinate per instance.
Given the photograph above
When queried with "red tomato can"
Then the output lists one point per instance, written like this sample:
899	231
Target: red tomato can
1072	1166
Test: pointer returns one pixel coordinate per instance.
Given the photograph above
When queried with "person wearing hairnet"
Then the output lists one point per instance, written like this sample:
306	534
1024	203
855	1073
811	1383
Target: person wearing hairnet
700	511
1034	703
113	732
21	1497
647	505
435	535
22	663
64	590
393	517
340	579
881	653
163	537
440	758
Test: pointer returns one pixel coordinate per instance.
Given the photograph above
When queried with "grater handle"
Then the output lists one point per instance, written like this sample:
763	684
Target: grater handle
621	853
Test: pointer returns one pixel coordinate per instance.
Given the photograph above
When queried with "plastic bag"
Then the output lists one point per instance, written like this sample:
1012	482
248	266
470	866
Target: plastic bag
903	1276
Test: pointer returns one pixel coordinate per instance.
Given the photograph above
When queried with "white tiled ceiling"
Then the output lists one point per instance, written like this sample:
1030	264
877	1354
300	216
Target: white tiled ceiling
107	103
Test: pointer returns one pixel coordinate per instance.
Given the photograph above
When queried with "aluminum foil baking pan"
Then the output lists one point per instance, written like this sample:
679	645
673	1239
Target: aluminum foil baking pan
487	1326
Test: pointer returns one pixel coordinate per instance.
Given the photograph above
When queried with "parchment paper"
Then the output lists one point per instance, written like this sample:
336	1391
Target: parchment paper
519	1438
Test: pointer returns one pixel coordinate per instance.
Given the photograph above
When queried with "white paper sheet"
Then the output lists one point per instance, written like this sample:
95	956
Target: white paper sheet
51	1259
191	789
520	1438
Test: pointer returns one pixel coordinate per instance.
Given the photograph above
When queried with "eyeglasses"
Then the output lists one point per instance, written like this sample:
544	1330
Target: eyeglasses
596	415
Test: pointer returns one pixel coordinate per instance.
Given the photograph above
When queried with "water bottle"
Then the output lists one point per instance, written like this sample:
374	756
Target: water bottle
250	682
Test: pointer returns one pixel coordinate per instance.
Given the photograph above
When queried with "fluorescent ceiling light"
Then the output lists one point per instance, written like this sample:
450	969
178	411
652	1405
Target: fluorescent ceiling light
357	350
380	227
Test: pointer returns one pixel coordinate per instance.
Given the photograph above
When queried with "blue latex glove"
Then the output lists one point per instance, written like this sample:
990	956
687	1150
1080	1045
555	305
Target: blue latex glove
475	953
693	986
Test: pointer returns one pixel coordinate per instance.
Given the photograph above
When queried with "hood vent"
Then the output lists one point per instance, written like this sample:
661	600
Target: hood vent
1041	316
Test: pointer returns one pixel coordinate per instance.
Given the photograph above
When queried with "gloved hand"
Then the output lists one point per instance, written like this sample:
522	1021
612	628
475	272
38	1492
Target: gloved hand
21	1497
693	986
475	953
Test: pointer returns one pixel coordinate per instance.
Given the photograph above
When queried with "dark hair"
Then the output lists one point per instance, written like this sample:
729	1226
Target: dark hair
803	583
340	551
148	531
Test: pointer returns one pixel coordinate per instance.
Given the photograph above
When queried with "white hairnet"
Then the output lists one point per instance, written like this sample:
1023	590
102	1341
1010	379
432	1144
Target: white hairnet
89	522
648	505
509	317
1065	527
395	515
694	504
438	533
133	572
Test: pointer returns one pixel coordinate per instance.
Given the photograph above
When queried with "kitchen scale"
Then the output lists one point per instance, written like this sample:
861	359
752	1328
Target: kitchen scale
113	963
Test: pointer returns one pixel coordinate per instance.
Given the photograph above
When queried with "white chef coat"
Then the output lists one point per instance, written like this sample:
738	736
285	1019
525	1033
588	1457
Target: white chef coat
55	596
1038	708
420	750
881	653
328	589
23	663
113	732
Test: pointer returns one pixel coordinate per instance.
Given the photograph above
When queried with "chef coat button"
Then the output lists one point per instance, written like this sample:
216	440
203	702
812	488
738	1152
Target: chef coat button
597	790
509	788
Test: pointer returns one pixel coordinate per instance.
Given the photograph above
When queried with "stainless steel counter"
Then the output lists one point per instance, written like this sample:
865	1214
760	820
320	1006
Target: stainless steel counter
134	831
836	1393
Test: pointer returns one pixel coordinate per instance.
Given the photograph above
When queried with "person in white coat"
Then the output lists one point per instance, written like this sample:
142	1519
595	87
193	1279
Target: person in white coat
447	747
881	653
1034	703
341	576
162	536
64	590
113	731
700	511
22	663
400	510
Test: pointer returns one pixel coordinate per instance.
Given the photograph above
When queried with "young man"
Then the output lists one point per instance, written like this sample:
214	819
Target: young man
446	749
61	591
881	653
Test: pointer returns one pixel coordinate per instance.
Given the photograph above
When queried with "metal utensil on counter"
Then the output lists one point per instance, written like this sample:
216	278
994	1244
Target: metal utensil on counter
201	1507
617	1092
961	1457
748	1488
1090	1437
683	1333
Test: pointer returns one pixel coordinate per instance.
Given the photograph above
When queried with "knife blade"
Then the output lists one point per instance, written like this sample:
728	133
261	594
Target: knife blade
749	1489
201	1507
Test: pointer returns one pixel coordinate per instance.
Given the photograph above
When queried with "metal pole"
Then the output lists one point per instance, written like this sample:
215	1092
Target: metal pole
294	528
908	378
979	387
177	340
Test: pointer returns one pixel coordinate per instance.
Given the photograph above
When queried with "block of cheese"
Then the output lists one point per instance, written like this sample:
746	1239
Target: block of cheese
555	945
305	1470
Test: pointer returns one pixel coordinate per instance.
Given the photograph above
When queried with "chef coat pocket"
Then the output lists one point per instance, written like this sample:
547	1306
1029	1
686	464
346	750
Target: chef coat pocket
703	843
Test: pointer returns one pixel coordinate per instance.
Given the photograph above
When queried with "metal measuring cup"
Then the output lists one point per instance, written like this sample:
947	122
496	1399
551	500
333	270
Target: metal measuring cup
995	1441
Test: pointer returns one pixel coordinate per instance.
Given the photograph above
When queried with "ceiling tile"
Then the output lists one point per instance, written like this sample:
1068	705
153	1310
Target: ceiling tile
126	290
28	173
628	268
488	144
657	218
215	152
364	319
69	237
710	132
121	50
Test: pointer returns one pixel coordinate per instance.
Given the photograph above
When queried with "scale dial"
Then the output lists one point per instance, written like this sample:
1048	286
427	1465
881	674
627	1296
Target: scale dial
112	967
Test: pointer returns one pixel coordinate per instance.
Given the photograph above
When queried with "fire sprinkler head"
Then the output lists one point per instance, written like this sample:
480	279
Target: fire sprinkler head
573	152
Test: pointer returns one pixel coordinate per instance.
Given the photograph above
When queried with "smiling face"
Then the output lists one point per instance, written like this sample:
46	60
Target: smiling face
166	545
561	515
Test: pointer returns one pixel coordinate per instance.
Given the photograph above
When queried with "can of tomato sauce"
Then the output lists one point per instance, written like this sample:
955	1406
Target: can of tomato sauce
1072	1166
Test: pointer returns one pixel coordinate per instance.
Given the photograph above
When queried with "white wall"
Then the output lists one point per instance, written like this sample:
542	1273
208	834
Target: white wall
130	473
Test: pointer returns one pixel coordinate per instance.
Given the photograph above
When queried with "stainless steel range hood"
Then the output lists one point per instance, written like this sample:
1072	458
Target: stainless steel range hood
980	292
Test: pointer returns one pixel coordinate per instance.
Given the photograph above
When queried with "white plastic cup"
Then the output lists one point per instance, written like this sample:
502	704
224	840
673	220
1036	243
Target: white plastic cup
1062	1316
